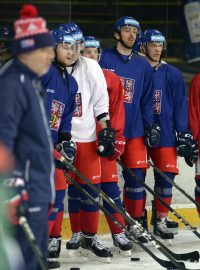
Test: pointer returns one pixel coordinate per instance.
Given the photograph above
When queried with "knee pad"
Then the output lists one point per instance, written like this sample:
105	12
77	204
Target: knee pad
59	201
162	186
133	189
86	204
112	190
74	199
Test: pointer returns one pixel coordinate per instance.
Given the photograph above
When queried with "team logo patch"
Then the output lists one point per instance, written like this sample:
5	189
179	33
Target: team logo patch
27	43
157	101
128	86
78	110
57	109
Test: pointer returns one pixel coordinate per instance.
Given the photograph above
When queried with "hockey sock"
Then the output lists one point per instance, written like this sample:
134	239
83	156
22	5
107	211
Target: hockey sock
197	193
60	195
89	211
134	193
74	202
164	189
56	231
112	190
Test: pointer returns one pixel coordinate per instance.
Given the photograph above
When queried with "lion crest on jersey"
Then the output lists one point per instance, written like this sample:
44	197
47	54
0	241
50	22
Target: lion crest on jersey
157	101
128	86
57	109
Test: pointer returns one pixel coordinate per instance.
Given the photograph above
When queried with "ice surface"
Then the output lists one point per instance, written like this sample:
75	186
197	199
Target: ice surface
184	242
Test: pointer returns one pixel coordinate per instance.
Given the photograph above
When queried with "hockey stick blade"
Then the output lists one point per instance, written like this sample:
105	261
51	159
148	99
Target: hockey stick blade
192	256
157	244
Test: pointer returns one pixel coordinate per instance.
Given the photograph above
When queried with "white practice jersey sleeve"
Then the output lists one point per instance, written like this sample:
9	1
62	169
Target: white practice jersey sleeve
91	99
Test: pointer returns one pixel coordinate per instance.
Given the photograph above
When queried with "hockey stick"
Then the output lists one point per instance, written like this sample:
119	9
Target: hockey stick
157	244
193	256
163	263
166	177
32	241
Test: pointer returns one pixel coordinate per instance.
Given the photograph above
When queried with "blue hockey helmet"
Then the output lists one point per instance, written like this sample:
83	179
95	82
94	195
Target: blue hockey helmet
129	21
138	41
6	37
61	36
90	41
153	35
74	29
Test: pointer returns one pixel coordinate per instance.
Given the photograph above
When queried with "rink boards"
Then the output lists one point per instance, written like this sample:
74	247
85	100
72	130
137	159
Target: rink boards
188	212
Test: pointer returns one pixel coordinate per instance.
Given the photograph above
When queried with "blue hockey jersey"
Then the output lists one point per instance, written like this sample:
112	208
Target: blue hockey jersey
60	90
170	103
137	77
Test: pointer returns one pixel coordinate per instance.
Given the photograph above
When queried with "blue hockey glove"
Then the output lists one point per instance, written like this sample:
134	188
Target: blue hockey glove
68	150
152	135
17	204
106	142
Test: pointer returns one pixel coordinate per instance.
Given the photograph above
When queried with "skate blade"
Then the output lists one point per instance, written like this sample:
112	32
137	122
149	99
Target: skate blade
91	255
173	230
73	252
167	242
122	253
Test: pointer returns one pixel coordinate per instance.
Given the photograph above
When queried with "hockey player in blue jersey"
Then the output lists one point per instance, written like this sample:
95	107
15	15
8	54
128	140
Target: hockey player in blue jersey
140	130
170	112
60	90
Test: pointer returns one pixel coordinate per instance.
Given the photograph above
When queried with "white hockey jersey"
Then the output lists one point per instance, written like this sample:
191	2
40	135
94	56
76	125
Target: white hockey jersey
91	99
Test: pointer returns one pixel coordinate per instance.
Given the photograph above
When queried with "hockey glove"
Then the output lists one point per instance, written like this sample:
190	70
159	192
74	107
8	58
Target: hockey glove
17	205
106	142
184	144
192	159
68	150
152	135
119	149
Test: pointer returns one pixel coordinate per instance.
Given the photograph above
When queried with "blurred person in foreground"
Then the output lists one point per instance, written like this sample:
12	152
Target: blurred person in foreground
24	131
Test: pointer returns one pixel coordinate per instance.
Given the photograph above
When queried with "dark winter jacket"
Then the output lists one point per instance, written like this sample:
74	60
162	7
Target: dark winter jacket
24	130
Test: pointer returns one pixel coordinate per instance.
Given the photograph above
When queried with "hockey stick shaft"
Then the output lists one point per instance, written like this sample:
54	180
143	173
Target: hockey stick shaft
166	177
176	214
32	241
126	216
163	263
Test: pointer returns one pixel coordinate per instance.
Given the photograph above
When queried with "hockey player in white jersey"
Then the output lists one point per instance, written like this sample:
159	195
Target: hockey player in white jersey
109	174
92	105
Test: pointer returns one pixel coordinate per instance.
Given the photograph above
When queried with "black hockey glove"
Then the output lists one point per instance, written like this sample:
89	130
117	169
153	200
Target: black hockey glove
184	144
152	135
192	159
106	142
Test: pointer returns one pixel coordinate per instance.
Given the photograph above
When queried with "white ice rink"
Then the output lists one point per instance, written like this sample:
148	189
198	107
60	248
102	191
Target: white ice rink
185	241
